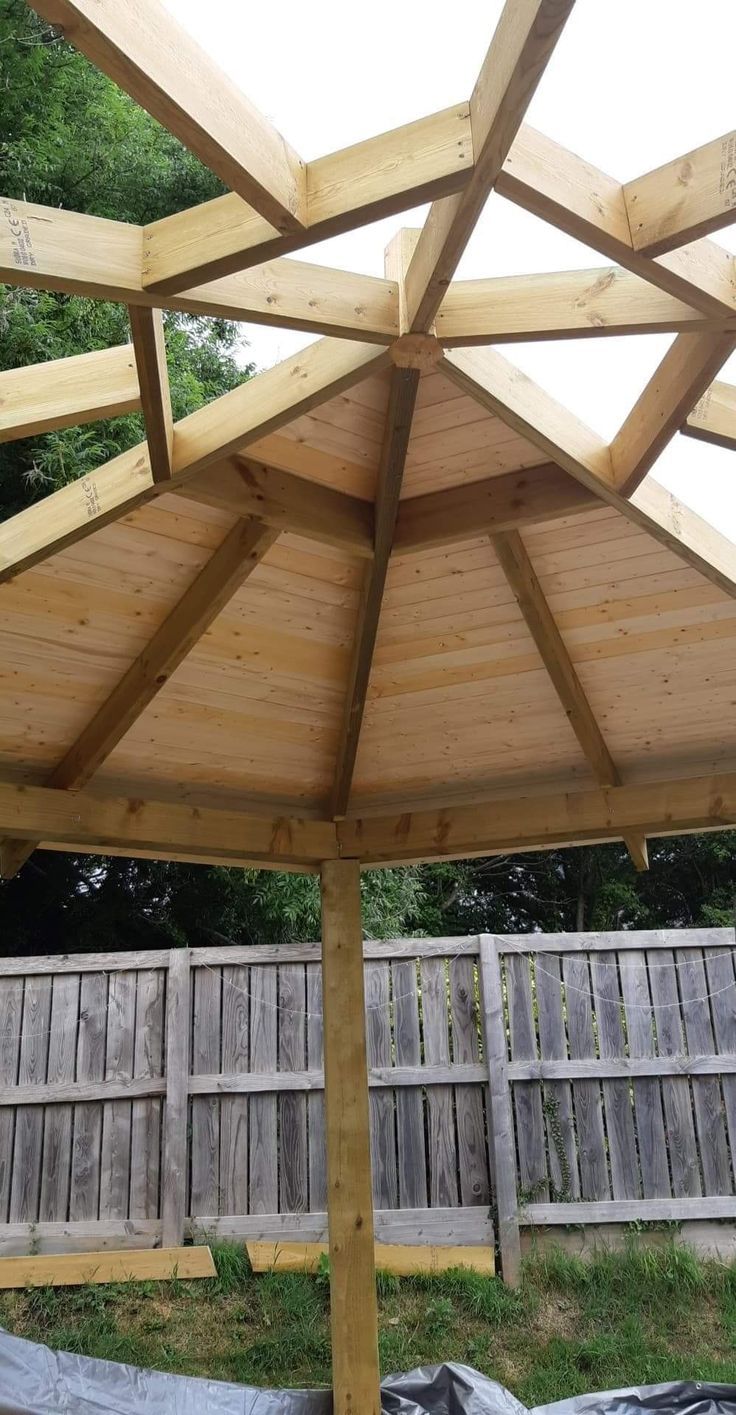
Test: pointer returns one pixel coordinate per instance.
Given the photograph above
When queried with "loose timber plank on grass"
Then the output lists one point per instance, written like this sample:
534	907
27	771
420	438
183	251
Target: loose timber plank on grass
403	1260
124	1265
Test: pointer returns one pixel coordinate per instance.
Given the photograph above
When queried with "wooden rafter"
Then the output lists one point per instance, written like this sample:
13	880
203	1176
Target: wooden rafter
257	407
380	177
686	198
516	564
63	392
542	822
524	40
568	304
140	45
47	249
713	419
683	375
147	327
227	569
402	397
501	387
553	183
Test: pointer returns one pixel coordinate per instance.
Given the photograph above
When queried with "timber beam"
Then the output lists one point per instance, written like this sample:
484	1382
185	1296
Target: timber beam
147	327
542	822
684	199
713	419
63	392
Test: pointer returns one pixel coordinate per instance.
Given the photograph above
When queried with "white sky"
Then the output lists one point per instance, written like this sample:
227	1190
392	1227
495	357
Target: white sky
632	84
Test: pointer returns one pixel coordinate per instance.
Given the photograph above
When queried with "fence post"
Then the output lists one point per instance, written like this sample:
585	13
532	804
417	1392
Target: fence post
501	1126
174	1185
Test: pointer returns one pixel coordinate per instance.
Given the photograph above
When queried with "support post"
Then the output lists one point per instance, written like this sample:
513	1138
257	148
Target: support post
353	1308
503	1164
174	1188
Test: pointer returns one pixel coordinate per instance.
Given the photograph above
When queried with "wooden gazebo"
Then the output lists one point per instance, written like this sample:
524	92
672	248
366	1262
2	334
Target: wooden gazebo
387	601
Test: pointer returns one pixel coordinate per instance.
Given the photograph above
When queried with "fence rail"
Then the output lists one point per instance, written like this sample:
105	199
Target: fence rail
547	1079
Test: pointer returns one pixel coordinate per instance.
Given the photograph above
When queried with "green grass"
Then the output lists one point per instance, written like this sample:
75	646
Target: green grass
631	1318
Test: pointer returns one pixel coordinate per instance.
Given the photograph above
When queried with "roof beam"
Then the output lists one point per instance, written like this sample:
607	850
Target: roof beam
517	567
147	327
227	569
502	388
64	392
543	822
162	829
552	183
44	248
713	419
380	177
522	45
287	502
684	199
402	397
259	406
568	304
500	503
682	377
140	45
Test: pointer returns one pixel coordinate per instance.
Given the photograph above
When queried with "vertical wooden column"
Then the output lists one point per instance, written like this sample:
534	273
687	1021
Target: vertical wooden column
501	1129
354	1316
174	1180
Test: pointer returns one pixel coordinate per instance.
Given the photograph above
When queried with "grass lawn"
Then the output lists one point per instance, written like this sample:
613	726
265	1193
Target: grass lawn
627	1319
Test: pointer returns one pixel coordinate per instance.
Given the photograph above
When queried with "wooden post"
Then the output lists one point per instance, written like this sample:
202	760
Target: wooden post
503	1162
354	1316
174	1181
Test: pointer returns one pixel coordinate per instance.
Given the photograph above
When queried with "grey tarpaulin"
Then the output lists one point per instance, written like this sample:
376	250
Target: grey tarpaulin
37	1381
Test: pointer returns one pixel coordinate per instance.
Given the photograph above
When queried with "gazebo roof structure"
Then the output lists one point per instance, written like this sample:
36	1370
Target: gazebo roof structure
388	599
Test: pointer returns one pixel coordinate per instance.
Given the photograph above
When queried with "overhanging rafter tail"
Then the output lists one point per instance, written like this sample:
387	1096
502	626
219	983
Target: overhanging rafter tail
500	386
522	45
402	398
227	569
143	48
260	406
517	566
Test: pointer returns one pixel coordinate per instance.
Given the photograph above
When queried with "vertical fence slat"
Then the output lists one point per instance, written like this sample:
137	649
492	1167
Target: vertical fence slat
563	1155
707	1101
205	1142
34	1050
264	1185
381	1101
11	1014
412	1157
527	1095
655	1175
84	1195
720	974
616	1094
57	1138
178	1035
145	1124
117	1115
442	1150
293	1184
586	1095
500	1109
678	1110
472	1149
234	1109
315	1099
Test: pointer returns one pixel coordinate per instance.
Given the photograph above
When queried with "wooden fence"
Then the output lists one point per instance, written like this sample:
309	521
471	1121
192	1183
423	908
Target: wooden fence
555	1080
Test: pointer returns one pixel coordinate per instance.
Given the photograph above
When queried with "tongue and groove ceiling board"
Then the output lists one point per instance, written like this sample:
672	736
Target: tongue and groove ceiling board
552	621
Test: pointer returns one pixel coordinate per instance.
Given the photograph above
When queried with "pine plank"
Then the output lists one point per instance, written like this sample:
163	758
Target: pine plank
128	1265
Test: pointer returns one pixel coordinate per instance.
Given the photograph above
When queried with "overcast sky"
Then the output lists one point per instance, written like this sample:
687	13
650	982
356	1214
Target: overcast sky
632	84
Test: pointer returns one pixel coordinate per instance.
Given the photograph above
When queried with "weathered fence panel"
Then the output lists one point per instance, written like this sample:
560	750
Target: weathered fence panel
551	1079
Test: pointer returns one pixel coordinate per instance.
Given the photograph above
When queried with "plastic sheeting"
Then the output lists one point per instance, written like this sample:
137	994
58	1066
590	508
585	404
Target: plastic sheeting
37	1381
